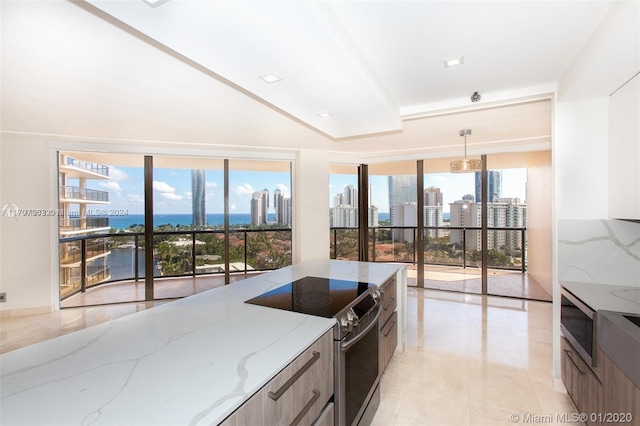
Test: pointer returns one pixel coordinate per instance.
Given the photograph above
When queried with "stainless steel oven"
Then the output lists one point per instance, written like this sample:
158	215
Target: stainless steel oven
357	358
578	325
356	306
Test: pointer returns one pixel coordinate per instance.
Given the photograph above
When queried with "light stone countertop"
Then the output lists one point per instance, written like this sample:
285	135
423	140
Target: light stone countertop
605	297
191	361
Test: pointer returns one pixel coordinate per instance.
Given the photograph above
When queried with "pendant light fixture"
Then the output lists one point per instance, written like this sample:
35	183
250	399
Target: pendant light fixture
465	166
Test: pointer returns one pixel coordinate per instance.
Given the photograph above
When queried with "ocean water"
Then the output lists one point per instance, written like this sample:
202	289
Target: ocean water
213	219
123	222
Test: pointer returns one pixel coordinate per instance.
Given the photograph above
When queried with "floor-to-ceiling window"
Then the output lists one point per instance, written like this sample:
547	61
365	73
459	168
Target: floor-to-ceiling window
432	220
452	238
343	211
203	224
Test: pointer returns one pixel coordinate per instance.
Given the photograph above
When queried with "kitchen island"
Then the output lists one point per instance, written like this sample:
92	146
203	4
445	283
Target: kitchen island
191	361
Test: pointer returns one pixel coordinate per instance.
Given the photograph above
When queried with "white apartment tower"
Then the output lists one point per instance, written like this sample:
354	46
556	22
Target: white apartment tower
78	218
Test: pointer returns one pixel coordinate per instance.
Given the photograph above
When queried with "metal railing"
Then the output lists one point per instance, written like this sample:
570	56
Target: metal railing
178	254
507	247
72	252
69	224
86	165
77	193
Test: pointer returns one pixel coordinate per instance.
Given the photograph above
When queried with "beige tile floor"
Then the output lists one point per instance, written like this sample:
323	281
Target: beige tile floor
469	280
470	360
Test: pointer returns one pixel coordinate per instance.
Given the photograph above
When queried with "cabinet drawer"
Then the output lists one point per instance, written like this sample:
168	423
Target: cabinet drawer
327	417
583	386
388	340
296	395
389	299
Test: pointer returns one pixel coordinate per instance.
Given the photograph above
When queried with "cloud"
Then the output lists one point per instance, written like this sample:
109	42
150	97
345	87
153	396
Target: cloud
111	186
117	175
166	191
284	188
245	189
211	184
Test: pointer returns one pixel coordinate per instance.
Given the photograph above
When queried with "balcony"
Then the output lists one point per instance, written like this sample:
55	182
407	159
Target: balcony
74	194
78	168
443	246
176	254
75	225
72	252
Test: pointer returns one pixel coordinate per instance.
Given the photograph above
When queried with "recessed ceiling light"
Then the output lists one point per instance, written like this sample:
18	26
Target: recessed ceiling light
325	114
270	78
155	3
454	61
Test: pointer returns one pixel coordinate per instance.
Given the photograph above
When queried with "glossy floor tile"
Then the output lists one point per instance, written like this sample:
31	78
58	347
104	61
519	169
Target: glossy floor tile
472	360
469	280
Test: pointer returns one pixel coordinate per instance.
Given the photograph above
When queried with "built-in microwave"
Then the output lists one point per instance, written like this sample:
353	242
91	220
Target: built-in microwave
578	324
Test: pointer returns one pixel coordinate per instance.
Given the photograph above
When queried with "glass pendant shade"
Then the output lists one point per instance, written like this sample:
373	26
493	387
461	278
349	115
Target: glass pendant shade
465	166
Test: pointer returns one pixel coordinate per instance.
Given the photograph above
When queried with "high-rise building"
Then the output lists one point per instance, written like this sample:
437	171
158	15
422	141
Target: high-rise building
402	189
260	207
350	196
404	214
75	200
468	197
286	211
278	205
264	208
198	198
256	209
432	196
494	180
344	212
503	213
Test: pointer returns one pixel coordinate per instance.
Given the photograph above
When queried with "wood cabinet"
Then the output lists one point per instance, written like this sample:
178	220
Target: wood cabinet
624	151
584	388
388	322
620	394
297	395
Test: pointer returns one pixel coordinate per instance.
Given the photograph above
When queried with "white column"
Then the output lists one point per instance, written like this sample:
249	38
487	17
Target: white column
311	205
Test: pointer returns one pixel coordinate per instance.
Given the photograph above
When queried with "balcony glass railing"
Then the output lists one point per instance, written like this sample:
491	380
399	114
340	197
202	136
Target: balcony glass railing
176	253
450	246
77	193
72	252
86	165
70	224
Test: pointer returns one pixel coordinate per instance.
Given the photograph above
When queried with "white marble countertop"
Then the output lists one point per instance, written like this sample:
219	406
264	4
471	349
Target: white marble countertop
192	361
605	297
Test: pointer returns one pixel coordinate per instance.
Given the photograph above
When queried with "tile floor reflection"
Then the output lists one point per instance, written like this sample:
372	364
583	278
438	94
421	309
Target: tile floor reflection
471	359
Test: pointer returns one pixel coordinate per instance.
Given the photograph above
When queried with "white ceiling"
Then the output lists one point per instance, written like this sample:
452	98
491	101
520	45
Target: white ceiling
187	72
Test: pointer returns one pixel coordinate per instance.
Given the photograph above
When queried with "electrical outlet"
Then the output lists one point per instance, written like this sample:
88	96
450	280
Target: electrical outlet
3	297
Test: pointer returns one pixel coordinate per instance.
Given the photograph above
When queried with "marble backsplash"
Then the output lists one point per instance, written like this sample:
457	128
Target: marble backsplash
599	251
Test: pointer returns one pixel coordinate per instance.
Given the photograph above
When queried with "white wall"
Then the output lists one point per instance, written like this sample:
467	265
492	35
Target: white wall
27	248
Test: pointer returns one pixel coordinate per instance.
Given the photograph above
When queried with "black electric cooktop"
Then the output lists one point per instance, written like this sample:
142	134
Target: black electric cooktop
313	295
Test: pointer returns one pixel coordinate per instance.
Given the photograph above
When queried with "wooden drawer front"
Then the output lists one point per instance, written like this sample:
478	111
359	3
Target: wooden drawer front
326	418
389	299
296	395
389	340
583	386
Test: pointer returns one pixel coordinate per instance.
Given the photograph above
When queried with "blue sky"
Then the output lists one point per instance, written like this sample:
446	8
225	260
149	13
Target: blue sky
172	188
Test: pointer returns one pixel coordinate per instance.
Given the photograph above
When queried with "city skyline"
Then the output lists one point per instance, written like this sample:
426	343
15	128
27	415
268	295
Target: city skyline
173	194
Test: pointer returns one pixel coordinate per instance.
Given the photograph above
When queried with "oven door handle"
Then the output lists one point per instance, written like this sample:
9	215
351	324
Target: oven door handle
374	322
